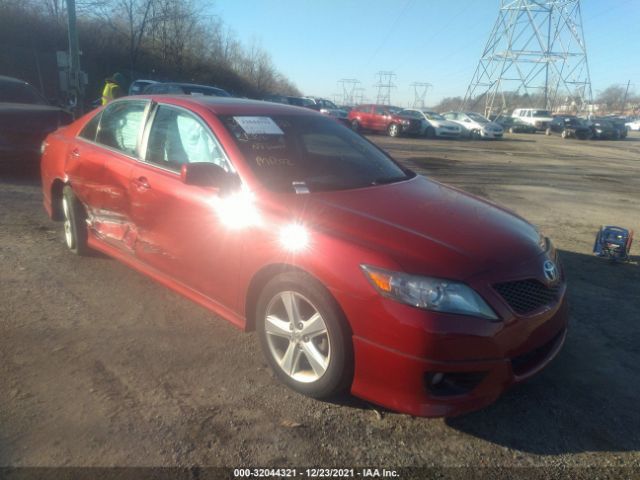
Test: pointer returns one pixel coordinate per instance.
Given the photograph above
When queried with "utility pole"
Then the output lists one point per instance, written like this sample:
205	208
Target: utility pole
624	102
76	85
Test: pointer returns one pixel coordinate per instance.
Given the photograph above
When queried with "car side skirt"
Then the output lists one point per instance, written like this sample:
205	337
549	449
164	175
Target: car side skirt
168	282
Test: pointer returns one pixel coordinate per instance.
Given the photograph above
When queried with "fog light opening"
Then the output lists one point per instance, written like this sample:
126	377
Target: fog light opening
441	384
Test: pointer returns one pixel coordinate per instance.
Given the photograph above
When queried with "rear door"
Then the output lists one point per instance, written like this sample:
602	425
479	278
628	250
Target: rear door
118	145
366	116
177	230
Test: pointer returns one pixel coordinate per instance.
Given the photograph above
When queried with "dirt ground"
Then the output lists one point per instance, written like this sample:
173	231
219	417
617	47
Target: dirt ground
100	366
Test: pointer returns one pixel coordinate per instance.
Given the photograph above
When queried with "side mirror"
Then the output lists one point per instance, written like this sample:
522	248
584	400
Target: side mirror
208	175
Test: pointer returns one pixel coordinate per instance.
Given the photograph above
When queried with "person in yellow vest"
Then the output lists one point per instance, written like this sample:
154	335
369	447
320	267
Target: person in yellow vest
113	88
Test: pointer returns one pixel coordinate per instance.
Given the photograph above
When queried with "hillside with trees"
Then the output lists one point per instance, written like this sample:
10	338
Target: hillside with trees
155	39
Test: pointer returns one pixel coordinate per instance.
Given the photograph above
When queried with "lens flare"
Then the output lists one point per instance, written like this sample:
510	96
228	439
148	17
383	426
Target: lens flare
238	210
294	237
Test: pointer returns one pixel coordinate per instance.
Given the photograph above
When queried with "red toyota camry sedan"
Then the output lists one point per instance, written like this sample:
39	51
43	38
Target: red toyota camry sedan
356	273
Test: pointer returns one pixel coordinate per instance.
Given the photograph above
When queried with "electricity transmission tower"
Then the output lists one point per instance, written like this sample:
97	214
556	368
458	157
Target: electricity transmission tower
348	86
419	93
535	57
384	85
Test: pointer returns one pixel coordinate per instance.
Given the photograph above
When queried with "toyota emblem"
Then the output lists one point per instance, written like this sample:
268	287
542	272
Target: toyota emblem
550	271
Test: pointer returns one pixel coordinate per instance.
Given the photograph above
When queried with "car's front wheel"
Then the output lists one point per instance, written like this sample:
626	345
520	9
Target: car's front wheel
430	132
75	227
547	132
304	335
355	125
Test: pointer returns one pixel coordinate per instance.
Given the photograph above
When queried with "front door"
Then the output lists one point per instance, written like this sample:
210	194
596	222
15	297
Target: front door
177	230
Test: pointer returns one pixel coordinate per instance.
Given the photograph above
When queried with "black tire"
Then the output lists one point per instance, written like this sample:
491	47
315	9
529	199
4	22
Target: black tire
394	130
475	135
430	132
75	226
355	126
564	134
547	132
310	293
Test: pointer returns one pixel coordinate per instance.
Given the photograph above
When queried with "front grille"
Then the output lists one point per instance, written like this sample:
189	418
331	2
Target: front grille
526	296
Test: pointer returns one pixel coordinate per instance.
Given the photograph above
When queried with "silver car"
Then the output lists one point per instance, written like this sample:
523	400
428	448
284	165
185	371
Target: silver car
434	124
475	125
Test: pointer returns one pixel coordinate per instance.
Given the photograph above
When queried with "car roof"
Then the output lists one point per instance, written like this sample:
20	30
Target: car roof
227	105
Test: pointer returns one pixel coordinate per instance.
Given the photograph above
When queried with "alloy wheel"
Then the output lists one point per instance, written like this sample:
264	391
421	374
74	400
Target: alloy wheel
68	233
297	337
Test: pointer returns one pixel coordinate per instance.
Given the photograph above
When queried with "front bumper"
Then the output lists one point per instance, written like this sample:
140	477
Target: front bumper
484	362
491	134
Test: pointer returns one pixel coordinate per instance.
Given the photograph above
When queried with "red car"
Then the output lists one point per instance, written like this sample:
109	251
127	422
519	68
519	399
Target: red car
357	273
383	118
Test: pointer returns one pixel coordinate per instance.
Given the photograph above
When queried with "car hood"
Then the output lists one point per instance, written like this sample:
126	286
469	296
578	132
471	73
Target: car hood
425	226
491	125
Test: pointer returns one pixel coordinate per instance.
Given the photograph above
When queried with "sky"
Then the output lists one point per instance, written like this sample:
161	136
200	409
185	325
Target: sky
316	43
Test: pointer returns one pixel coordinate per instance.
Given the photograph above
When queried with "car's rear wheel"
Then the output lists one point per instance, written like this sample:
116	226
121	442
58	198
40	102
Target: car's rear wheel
547	132
304	336
564	134
355	125
475	135
393	130
75	227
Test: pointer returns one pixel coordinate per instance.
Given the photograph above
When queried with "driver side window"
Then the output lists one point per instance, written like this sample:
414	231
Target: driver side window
178	137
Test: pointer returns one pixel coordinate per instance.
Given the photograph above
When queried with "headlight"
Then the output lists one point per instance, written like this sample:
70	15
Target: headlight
429	293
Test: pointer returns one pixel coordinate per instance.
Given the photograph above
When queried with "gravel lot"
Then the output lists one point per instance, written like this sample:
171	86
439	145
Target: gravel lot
101	366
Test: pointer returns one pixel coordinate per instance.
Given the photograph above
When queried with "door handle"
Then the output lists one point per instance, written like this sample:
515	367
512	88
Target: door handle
141	183
75	153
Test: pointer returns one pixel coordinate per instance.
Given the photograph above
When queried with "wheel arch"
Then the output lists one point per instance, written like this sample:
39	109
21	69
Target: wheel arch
56	199
263	276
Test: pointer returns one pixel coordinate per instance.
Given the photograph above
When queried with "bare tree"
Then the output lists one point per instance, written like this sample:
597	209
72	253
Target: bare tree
612	97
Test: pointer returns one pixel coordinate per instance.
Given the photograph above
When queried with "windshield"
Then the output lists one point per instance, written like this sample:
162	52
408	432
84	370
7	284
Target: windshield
541	113
17	92
476	117
433	116
312	152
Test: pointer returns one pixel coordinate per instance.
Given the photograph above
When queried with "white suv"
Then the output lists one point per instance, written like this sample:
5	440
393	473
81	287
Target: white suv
538	118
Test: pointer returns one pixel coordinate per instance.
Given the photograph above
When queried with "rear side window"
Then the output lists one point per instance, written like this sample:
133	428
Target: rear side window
120	126
91	128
